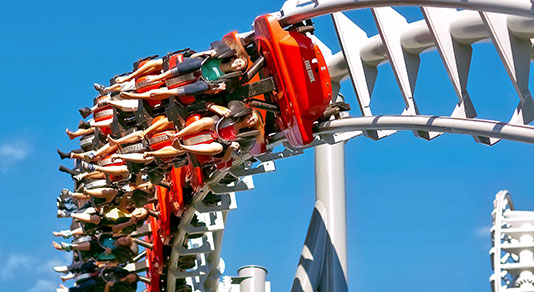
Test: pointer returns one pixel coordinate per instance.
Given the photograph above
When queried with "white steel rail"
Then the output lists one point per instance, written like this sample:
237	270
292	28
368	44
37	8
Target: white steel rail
450	31
494	129
294	11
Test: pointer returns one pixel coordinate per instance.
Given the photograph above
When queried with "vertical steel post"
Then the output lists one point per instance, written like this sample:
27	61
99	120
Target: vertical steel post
330	190
255	278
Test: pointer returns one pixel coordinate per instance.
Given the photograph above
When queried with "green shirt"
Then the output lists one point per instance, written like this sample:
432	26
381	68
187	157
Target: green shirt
107	243
211	69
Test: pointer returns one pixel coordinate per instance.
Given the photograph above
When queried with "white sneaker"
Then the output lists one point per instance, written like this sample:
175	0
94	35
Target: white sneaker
65	234
63	214
61	269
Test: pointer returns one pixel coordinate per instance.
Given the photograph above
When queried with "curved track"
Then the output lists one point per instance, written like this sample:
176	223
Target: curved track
444	28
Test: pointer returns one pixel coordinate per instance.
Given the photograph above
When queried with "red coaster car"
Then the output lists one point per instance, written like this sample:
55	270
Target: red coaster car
181	80
104	113
301	76
118	162
142	86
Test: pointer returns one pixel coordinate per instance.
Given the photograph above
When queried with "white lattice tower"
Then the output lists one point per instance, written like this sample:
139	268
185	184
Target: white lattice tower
512	255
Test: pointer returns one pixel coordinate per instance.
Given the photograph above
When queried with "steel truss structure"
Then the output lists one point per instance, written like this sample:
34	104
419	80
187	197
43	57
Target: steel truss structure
452	32
513	246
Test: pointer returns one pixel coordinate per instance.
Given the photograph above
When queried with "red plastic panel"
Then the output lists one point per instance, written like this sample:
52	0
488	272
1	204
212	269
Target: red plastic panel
194	176
118	162
301	76
177	175
165	210
152	103
104	113
148	87
161	140
202	137
154	256
175	59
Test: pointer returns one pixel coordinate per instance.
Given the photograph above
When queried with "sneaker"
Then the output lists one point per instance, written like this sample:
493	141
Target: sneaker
66	246
100	88
63	214
65	234
85	112
67	207
88	157
65	193
61	269
88	166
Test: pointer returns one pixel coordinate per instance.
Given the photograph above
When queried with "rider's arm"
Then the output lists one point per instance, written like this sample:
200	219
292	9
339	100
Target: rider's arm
228	154
108	284
121	226
219	110
210	53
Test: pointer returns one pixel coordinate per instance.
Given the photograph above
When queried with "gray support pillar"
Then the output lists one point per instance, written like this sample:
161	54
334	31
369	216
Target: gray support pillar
330	190
311	262
255	278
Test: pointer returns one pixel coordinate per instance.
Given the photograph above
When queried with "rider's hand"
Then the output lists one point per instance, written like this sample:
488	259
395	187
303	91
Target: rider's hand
234	146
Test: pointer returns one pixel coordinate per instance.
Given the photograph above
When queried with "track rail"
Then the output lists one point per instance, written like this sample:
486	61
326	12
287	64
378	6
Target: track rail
294	11
474	127
205	276
398	43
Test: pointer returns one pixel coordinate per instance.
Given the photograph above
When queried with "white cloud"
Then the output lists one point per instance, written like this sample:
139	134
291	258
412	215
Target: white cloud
20	264
48	265
14	263
43	285
483	232
12	152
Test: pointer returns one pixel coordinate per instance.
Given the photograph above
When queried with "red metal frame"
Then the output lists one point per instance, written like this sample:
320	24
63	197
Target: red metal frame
165	212
177	176
155	256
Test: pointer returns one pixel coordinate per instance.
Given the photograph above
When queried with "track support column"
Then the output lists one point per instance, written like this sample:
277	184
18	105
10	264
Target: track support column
330	191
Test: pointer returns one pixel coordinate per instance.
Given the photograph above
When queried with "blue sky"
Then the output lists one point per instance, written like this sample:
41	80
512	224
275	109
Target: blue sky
418	211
